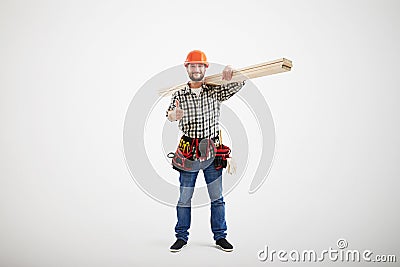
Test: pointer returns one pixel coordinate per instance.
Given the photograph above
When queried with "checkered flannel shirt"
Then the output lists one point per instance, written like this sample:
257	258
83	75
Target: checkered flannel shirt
201	113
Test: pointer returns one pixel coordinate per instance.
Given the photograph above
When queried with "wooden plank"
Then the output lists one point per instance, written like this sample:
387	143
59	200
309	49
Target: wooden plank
250	72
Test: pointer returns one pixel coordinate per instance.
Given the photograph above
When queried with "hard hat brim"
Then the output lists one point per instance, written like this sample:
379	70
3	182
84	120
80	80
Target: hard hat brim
199	62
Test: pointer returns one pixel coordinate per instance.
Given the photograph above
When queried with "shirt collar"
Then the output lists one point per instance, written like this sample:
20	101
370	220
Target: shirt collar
187	87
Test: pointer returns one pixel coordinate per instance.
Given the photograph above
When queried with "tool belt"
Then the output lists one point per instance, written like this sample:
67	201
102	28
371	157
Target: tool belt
194	154
223	152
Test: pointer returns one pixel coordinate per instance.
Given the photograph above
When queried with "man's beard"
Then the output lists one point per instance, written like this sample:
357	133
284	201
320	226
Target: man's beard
196	79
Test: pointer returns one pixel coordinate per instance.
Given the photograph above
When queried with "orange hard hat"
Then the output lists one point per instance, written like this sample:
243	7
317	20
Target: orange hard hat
196	56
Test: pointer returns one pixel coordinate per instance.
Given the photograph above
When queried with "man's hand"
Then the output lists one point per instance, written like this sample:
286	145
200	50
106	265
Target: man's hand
177	113
227	73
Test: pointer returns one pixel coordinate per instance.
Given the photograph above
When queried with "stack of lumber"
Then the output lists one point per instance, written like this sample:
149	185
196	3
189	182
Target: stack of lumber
251	72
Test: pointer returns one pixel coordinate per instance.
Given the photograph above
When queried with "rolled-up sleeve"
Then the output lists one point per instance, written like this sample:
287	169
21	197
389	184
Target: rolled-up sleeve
225	91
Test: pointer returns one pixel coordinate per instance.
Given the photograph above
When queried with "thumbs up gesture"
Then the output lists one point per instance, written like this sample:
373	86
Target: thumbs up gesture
175	114
178	111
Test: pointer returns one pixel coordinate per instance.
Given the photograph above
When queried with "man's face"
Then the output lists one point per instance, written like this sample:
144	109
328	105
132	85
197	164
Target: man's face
196	71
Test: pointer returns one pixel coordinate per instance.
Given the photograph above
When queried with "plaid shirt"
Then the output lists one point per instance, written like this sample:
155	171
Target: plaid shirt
201	113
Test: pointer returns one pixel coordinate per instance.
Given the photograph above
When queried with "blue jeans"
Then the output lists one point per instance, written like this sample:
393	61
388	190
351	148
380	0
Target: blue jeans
187	181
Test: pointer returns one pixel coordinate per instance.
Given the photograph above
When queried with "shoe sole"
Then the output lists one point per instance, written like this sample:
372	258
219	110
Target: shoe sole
225	249
177	250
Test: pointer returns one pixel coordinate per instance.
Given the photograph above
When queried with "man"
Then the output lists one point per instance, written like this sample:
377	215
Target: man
197	109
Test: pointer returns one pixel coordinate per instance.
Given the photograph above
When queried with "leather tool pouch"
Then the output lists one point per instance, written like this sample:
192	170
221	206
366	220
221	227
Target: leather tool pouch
184	155
223	152
192	155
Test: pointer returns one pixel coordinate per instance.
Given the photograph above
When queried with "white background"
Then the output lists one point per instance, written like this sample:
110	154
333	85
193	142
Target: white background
69	69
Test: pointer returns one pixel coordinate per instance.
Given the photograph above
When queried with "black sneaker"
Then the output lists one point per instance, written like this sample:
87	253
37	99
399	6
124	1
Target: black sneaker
178	245
224	245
